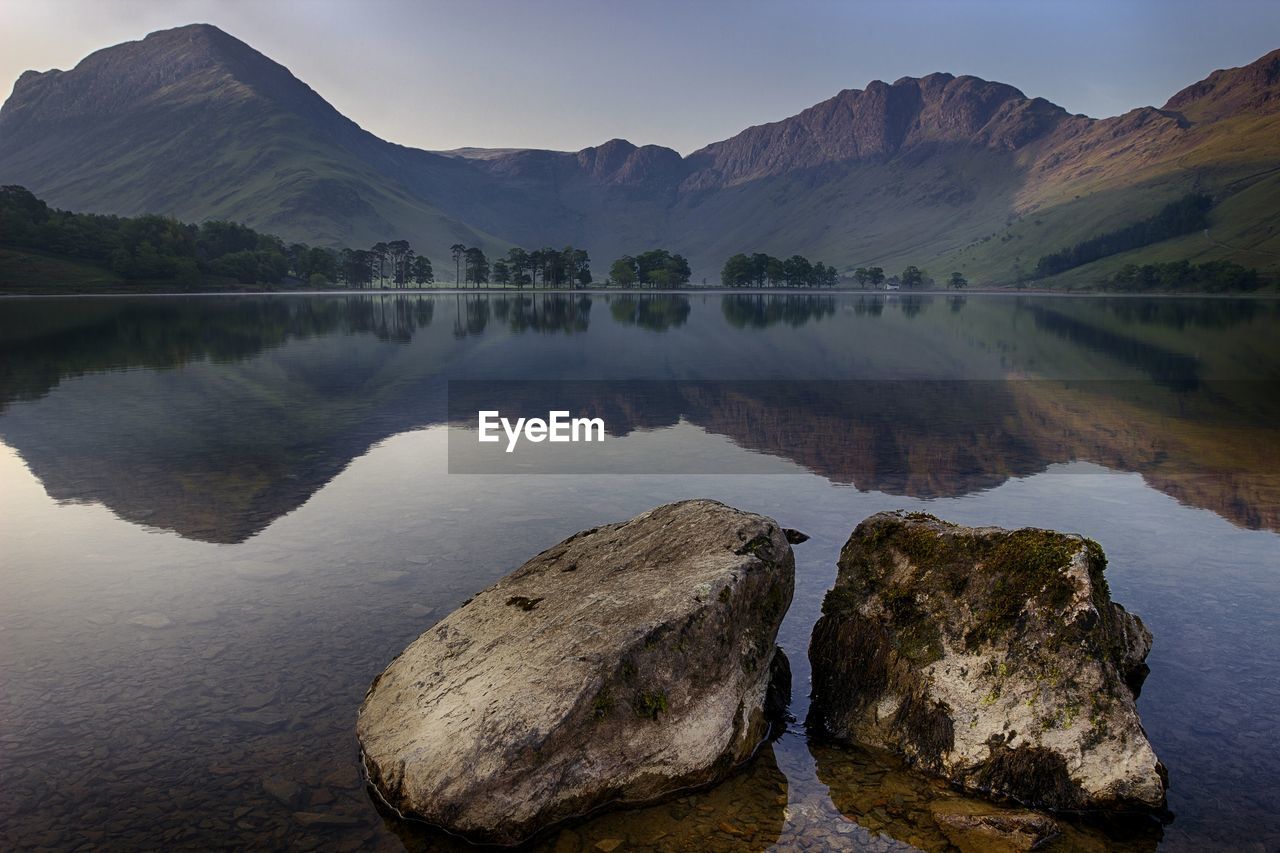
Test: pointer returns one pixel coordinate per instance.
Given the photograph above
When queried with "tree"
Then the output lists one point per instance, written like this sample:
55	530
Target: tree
861	276
158	247
217	238
824	275
569	266
737	271
422	272
300	263
761	269
797	271
457	249
649	262
536	267
775	270
357	267
477	267
581	267
406	268
501	272
875	275
958	281
1184	216
660	268
400	254
912	276
1212	276
378	257
623	271
517	263
318	261
677	267
297	255
553	267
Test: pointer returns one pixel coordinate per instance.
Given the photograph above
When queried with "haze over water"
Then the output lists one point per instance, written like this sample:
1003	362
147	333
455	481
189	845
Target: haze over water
221	517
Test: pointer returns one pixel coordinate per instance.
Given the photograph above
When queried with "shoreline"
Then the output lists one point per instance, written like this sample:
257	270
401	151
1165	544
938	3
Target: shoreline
683	291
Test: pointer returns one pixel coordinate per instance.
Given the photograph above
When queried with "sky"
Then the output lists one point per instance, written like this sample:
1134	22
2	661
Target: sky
566	74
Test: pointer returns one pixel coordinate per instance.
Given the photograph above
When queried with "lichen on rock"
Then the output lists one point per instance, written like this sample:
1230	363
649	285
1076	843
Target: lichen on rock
993	658
624	664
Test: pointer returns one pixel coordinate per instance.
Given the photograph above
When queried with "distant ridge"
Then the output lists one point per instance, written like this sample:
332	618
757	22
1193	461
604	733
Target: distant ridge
945	172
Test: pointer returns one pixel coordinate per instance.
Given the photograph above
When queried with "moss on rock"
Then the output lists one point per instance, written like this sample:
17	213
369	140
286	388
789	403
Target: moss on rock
939	641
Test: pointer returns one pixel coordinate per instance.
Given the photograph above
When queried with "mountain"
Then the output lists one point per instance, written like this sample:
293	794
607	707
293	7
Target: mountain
942	171
194	123
1254	88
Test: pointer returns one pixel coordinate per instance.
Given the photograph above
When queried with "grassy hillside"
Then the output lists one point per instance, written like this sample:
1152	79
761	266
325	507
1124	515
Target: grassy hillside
888	215
276	177
1236	164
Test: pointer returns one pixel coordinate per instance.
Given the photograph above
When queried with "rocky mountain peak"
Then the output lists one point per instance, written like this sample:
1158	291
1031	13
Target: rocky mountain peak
880	121
1253	88
603	160
621	162
194	64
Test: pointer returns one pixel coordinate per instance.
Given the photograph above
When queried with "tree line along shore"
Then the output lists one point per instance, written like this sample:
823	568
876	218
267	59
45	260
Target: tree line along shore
219	254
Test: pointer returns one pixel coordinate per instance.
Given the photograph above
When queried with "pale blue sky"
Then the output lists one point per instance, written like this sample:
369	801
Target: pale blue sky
571	73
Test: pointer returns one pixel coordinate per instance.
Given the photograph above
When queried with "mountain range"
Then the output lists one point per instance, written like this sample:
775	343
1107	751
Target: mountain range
945	172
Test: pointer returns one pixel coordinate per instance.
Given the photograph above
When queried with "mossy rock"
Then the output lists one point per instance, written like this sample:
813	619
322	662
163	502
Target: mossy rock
994	658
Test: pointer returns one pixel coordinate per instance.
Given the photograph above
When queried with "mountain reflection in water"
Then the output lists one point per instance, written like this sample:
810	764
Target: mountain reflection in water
214	417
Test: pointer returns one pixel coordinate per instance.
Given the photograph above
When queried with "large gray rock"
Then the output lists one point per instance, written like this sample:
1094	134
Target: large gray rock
993	658
626	663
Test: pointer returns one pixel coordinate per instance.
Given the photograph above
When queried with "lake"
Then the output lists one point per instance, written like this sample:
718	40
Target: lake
221	517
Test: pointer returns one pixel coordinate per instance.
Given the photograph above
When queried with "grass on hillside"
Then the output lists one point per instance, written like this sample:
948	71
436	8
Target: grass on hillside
1234	161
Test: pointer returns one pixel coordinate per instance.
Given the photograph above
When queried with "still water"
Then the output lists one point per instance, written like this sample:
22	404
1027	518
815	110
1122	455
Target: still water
221	517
